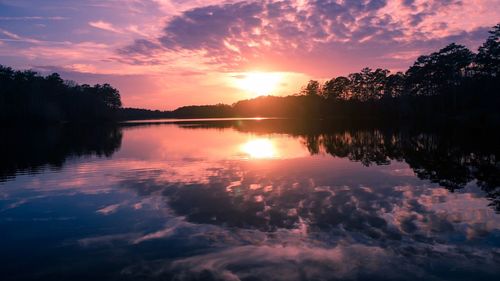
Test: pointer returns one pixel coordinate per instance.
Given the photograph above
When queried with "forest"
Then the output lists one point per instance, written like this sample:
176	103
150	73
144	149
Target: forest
28	97
452	83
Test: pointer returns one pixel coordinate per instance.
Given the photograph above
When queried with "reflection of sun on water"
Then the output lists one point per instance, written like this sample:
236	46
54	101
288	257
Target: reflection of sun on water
259	148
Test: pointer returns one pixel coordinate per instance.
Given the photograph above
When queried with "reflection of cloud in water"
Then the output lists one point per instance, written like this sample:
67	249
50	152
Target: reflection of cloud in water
273	198
404	172
262	217
169	230
286	263
108	209
106	239
344	261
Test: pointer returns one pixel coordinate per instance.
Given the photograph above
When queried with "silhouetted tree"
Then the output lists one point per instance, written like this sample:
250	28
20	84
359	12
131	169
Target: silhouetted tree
440	71
394	85
312	88
377	80
337	88
488	58
109	95
358	85
367	84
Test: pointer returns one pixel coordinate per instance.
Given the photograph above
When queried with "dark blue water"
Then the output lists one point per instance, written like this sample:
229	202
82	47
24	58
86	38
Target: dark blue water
248	200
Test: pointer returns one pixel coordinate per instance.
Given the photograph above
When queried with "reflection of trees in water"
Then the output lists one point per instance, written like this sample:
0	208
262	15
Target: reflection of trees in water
451	157
451	160
32	149
361	146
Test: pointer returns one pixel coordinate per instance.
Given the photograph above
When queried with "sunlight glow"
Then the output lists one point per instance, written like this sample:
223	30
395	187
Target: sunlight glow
259	83
259	148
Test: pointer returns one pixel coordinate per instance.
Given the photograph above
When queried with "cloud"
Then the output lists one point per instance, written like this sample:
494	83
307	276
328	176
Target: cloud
55	18
10	34
141	46
301	36
14	37
207	27
105	26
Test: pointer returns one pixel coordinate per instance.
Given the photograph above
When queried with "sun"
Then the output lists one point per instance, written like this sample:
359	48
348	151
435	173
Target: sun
259	83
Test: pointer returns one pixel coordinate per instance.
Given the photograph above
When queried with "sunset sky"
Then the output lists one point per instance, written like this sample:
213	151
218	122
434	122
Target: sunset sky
162	54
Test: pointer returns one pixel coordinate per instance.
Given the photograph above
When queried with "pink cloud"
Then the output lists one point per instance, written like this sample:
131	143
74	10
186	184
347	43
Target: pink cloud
285	35
105	26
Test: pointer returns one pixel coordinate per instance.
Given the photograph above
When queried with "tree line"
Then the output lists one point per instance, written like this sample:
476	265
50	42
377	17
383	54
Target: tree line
445	71
26	96
452	83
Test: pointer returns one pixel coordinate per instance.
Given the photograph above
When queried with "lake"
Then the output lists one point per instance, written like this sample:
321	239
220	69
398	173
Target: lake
265	199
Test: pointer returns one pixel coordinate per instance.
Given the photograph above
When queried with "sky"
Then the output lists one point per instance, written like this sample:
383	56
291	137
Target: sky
162	54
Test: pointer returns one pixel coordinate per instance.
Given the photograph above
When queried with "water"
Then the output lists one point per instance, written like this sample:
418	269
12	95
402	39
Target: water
248	200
